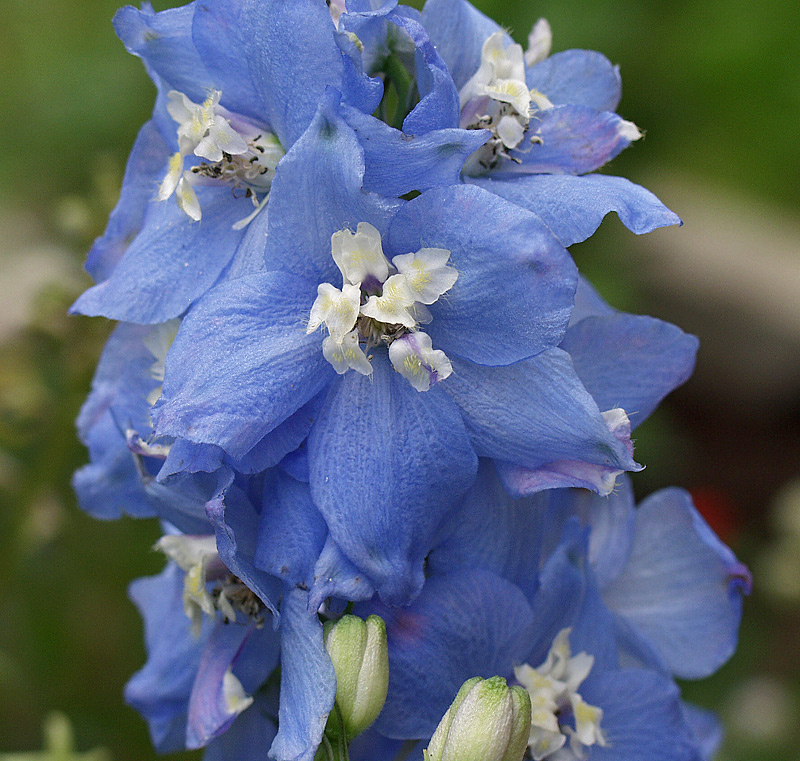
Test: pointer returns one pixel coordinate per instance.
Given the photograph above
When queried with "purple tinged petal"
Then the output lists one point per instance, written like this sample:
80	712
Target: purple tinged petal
242	363
533	413
316	192
308	682
582	77
435	646
210	711
171	263
251	732
515	281
682	588
573	207
574	140
458	30
387	462
630	361
396	163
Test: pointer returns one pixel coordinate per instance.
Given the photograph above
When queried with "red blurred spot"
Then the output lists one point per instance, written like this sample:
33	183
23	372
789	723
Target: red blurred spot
720	511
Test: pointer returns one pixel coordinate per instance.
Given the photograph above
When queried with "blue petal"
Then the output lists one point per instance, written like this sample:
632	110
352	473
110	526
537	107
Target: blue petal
122	382
209	713
465	624
642	717
110	486
706	728
251	732
275	58
160	691
186	456
396	163
164	42
235	521
372	745
611	520
630	361
316	192
438	107
510	549
295	464
574	140
593	630
588	303
387	462
336	577
145	168
583	77
242	363
291	531
682	587
171	263
458	30
533	412
308	682
573	207
515	281
562	585
359	89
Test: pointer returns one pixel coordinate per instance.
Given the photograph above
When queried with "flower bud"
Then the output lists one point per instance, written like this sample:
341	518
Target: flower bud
360	658
487	721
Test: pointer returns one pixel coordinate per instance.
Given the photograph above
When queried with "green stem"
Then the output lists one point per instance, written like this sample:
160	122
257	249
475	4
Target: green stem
403	84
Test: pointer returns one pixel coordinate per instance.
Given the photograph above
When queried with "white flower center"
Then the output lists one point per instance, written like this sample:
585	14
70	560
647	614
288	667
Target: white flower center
497	98
553	688
382	303
235	152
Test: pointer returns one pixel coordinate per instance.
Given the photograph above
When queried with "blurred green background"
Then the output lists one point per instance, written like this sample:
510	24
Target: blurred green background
716	86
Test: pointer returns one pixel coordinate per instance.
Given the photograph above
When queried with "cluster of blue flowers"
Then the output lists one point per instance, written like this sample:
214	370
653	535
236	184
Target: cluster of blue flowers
356	372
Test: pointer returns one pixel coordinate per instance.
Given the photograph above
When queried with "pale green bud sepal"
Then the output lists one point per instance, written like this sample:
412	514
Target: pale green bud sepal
360	657
487	721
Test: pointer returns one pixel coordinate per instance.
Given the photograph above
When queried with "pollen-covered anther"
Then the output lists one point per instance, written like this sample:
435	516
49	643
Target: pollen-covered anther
497	98
558	712
208	585
414	357
234	152
382	303
336	309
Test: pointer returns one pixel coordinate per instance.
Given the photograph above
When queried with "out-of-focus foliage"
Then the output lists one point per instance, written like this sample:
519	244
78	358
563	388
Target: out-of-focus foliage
715	85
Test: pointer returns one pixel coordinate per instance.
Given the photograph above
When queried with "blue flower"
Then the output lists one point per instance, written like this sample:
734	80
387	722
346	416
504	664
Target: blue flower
195	687
248	76
563	128
386	461
646	593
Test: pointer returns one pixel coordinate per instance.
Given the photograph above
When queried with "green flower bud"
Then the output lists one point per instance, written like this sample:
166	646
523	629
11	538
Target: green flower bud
360	658
487	721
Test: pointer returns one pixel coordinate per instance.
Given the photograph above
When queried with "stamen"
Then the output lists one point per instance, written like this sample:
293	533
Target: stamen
236	153
377	307
558	712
